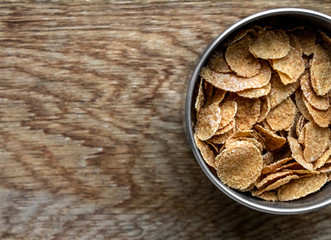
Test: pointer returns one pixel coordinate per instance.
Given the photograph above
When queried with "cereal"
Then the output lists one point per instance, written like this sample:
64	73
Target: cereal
238	35
320	71
277	184
325	169
268	159
322	118
226	128
301	187
273	141
240	165
282	116
265	109
263	112
208	121
294	42
228	112
273	166
299	125
233	83
317	140
268	196
291	65
217	62
240	60
220	139
217	96
200	98
321	103
279	92
248	112
269	179
209	89
255	92
301	136
307	40
271	44
323	159
297	153
206	152
231	141
301	105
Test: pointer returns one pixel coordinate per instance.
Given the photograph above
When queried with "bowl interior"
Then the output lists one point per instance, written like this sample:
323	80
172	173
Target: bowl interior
278	18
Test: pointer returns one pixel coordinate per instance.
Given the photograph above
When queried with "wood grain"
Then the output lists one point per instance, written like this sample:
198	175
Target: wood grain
92	143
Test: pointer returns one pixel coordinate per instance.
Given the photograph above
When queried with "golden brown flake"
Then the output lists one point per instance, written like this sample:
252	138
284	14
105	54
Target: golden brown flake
275	165
268	196
217	62
271	44
273	141
322	118
326	156
205	150
233	83
227	128
282	116
228	111
320	71
265	109
297	153
301	187
317	140
301	105
307	40
248	112
321	103
240	60
200	98
279	92
208	121
255	92
240	165
292	65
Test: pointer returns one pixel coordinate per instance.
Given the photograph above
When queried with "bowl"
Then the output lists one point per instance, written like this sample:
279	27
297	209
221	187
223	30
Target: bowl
273	17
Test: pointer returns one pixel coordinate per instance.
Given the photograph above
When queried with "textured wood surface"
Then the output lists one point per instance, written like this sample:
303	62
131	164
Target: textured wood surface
92	142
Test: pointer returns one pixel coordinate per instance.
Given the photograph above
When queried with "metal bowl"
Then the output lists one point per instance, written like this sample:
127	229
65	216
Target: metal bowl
274	17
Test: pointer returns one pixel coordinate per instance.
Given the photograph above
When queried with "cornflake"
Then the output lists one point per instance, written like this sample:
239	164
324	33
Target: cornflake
263	112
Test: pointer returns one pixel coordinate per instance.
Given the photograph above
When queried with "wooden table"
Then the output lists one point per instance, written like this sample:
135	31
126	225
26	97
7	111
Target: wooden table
92	142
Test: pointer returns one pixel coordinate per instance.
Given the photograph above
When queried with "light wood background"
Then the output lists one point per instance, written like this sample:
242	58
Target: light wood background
92	142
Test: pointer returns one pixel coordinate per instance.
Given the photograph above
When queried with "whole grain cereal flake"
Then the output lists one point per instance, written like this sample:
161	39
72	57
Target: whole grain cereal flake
233	83
200	98
208	121
291	65
320	71
321	117
282	116
317	140
279	91
240	165
217	62
271	44
240	60
255	92
228	111
319	102
273	141
301	187
205	150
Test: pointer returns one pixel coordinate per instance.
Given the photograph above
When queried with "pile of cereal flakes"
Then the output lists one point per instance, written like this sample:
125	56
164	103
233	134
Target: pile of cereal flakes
263	112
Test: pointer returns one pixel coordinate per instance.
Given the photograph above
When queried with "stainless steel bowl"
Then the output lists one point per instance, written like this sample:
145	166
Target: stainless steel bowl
276	17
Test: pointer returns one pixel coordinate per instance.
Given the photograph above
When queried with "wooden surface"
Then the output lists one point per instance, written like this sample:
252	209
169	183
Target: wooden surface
92	142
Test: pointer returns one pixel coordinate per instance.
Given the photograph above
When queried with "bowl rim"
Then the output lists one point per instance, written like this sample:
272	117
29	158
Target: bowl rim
188	106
